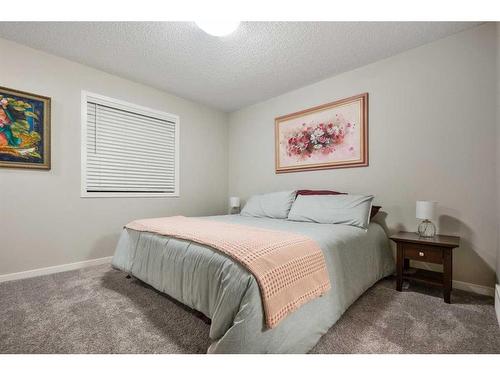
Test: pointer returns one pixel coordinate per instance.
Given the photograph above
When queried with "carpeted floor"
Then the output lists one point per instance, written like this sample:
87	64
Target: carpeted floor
98	310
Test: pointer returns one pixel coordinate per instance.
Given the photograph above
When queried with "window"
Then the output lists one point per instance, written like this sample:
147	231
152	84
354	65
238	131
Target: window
128	150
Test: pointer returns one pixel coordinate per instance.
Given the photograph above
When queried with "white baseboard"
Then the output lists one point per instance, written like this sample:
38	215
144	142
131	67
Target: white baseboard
54	269
497	302
479	289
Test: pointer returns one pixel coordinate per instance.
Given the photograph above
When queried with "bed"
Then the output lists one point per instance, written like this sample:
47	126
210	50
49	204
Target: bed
223	290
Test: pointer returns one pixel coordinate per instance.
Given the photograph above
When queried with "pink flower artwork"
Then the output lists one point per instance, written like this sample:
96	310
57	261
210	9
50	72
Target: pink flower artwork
316	139
329	136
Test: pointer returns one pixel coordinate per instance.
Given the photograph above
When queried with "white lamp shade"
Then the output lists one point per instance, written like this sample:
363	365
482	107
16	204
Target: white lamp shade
234	202
425	210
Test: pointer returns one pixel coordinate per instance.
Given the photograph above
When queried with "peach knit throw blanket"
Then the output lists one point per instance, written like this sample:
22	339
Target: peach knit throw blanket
289	268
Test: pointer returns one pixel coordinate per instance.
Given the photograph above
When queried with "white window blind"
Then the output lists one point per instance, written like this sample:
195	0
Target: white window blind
128	150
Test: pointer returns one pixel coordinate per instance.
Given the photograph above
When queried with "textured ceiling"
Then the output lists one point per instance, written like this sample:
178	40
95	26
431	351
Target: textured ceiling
260	60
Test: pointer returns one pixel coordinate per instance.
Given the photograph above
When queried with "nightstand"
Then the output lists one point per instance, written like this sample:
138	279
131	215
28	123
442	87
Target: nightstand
437	249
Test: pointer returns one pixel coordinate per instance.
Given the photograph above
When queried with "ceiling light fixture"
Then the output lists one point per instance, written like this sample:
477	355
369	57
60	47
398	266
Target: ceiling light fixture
218	28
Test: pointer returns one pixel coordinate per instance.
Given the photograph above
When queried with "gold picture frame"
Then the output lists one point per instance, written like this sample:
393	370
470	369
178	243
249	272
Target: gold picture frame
24	129
332	135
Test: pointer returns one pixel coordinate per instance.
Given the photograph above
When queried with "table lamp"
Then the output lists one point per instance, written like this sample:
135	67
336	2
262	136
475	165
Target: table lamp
425	211
234	204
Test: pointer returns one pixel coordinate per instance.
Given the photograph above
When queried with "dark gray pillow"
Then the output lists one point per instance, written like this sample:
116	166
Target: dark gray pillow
273	205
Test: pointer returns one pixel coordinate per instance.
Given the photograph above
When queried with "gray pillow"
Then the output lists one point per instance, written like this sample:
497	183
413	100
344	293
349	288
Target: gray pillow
333	209
273	205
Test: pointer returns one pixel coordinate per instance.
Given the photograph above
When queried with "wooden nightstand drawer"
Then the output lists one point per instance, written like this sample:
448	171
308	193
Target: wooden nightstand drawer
423	253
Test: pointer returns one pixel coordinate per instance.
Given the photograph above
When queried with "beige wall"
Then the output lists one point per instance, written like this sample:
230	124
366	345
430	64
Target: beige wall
43	220
432	136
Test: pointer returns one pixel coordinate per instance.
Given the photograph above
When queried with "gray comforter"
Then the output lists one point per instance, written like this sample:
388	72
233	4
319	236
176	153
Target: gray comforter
210	282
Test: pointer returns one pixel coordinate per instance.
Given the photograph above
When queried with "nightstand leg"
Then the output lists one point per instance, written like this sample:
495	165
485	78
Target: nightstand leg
447	275
399	268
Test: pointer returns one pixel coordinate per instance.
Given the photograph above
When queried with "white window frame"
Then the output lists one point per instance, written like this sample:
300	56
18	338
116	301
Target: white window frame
119	104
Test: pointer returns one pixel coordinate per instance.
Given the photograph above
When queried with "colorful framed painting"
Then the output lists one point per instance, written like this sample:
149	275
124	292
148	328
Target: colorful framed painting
333	135
24	130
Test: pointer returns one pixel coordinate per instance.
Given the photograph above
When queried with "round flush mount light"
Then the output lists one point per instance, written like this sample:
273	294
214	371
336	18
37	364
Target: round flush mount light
218	28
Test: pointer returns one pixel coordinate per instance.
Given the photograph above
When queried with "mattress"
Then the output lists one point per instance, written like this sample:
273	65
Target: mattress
223	290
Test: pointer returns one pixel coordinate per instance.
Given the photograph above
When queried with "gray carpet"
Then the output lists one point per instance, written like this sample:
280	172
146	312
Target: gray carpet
98	310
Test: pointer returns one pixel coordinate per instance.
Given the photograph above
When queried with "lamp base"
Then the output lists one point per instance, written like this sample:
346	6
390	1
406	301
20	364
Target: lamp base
234	210
426	229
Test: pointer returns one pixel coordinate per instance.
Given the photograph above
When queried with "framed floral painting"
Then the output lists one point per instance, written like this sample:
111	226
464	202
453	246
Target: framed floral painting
333	135
24	130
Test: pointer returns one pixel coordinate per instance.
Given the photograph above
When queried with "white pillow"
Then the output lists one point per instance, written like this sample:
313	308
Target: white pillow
333	209
273	205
